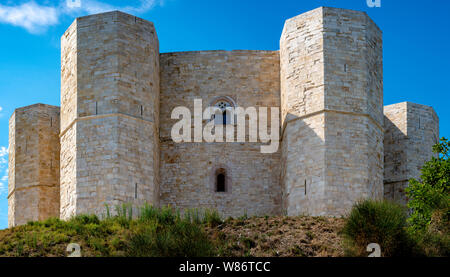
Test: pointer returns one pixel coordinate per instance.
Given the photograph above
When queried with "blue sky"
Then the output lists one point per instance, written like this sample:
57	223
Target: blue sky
416	45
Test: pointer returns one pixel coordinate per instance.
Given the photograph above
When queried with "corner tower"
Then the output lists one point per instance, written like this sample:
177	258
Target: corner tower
33	185
109	113
332	111
411	131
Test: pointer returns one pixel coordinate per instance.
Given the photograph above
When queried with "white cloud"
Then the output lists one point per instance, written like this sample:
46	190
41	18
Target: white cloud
31	16
3	153
35	18
93	7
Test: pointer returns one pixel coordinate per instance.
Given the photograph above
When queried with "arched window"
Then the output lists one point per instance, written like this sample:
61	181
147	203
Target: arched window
225	116
221	180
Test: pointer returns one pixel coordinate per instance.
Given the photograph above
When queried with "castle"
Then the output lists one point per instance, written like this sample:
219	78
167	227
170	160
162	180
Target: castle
110	141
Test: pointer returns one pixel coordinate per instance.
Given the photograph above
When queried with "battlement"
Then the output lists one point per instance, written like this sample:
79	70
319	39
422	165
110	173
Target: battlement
111	143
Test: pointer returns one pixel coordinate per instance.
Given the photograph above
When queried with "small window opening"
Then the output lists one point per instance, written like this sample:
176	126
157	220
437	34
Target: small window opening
135	190
224	117
96	108
220	187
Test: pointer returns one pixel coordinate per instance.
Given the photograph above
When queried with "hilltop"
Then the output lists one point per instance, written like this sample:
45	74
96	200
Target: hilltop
165	233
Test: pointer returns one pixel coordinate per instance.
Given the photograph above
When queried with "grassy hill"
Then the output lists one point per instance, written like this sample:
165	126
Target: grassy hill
165	233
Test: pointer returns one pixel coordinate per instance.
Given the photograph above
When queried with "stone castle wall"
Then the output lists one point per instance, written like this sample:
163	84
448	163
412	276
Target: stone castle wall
118	93
302	105
33	188
332	94
411	131
354	109
247	78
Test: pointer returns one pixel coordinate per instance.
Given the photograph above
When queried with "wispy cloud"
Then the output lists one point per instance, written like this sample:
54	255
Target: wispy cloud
3	170
31	16
36	18
93	6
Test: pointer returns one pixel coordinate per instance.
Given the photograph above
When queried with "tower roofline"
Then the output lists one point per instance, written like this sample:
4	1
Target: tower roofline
33	106
105	14
332	8
409	103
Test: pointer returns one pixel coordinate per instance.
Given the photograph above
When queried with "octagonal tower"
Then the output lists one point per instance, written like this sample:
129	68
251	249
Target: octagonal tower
109	114
33	182
332	111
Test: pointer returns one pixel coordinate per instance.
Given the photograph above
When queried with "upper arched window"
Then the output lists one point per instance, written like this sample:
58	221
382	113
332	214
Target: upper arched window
224	116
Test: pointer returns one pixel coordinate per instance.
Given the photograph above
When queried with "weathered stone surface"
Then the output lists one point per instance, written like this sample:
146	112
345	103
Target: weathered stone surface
33	188
411	131
248	79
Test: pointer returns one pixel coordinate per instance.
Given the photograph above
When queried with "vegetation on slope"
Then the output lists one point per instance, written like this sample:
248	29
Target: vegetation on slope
167	233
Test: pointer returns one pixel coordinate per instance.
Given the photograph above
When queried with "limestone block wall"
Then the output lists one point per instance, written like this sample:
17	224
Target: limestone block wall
302	103
249	79
110	111
354	109
331	81
33	188
411	131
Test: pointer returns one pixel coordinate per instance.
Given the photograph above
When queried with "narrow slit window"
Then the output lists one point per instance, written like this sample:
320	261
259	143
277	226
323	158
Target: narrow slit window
135	191
224	118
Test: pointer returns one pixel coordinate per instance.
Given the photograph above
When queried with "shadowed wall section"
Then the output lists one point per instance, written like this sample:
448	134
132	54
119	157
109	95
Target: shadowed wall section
411	131
33	184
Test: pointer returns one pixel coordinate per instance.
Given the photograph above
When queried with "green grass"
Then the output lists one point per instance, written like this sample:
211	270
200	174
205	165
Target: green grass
152	233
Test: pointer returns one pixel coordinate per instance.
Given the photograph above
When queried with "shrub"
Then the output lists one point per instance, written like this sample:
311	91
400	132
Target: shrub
432	192
212	218
379	222
435	241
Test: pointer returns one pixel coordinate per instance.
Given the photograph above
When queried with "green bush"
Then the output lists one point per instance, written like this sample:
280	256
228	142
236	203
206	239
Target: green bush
432	191
379	222
435	241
